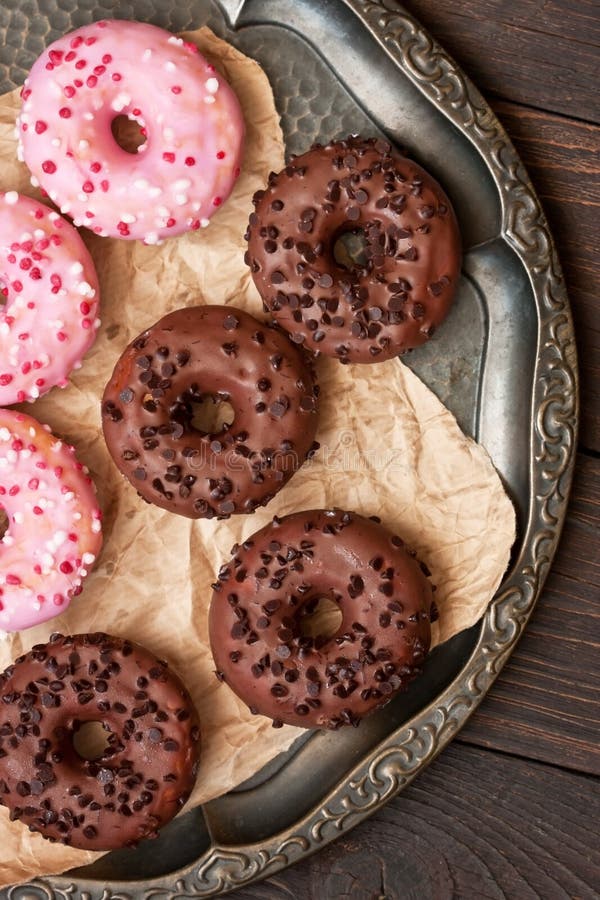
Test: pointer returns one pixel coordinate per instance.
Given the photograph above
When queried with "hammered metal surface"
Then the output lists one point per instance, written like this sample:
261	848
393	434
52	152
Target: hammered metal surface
504	363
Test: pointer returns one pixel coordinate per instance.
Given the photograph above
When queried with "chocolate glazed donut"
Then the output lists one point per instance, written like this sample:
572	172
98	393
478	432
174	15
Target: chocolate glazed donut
276	578
220	351
144	776
390	301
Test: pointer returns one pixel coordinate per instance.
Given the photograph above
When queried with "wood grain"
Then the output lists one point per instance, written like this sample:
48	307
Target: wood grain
563	160
475	825
543	53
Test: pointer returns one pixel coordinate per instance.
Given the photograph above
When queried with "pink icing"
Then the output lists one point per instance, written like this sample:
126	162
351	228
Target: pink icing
49	285
190	116
54	531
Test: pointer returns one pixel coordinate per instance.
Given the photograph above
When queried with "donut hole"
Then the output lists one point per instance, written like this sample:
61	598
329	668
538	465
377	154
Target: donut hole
211	414
128	133
91	740
3	291
320	619
3	523
350	249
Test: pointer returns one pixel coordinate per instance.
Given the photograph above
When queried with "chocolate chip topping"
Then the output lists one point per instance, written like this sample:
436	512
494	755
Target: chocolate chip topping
412	246
47	694
280	574
149	406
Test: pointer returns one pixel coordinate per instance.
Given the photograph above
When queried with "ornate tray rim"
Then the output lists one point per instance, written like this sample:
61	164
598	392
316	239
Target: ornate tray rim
394	763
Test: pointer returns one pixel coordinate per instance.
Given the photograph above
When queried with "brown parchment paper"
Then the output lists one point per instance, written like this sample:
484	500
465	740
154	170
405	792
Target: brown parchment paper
389	448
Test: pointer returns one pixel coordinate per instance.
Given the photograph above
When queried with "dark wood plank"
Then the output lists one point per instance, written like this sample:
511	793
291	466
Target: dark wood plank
563	160
543	53
546	703
475	825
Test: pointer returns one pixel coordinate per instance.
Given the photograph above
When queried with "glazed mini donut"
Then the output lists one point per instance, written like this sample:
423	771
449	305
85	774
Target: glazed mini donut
191	355
190	116
144	776
48	280
54	530
398	295
276	578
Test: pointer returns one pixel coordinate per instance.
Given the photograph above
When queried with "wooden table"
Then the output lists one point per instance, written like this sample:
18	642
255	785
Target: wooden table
512	808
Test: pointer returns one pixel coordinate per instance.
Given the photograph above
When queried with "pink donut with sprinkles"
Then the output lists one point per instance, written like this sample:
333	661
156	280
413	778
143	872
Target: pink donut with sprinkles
54	530
187	112
48	320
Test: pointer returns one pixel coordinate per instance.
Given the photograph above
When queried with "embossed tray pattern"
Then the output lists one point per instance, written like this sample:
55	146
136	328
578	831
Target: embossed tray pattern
504	363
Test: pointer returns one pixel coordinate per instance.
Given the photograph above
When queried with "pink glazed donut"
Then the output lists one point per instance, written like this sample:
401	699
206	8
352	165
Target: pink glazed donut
54	530
190	116
49	283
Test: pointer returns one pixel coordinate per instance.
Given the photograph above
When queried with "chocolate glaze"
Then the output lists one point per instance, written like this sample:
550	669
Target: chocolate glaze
276	577
143	778
371	312
218	350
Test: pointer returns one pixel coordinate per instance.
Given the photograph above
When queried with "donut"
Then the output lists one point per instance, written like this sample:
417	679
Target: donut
54	530
263	596
189	115
195	355
370	309
145	774
50	289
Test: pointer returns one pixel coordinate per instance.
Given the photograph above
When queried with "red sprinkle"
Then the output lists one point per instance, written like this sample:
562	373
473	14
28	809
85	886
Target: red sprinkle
176	89
66	568
49	167
221	154
88	187
80	64
95	167
217	201
107	58
92	81
33	484
37	510
17	286
5	379
35	274
115	76
40	127
58	599
170	222
84	308
61	336
89	41
70	56
76	42
169	157
99	70
104	185
12	579
69	91
190	161
64	112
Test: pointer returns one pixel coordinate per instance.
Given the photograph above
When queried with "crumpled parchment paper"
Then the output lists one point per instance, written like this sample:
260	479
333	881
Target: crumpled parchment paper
388	447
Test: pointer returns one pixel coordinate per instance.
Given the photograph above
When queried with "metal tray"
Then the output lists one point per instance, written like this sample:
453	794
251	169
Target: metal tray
504	364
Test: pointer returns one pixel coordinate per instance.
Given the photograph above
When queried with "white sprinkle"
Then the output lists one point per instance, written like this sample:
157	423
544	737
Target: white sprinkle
56	142
12	456
8	540
4	434
11	198
88	116
170	66
212	85
76	268
18	517
181	199
204	223
174	40
168	134
155	191
39	233
151	238
76	515
182	184
34	392
88	558
53	216
128	218
209	99
163	211
65	208
36	605
146	55
83	144
140	183
85	289
20	155
120	102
